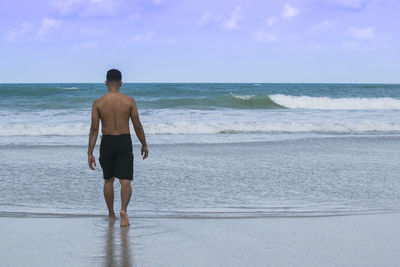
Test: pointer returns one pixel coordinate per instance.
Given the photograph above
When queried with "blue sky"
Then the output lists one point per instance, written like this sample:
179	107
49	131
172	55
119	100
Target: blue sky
200	41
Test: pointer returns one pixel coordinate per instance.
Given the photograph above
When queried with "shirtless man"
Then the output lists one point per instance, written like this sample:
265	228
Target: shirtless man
116	159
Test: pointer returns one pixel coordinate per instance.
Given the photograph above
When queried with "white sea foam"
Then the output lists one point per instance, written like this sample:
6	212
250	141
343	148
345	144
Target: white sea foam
242	97
69	88
307	102
272	127
43	130
213	128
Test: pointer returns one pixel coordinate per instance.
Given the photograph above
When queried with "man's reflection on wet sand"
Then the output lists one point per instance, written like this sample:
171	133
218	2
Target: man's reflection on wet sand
125	252
117	253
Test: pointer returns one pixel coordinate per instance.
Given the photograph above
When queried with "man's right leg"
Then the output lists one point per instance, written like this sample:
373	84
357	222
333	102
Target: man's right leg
126	192
109	197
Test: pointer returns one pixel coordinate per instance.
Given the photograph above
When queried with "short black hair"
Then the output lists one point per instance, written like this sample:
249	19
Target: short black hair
114	75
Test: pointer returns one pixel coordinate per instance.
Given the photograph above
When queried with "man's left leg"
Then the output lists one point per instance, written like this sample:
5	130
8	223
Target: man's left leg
126	192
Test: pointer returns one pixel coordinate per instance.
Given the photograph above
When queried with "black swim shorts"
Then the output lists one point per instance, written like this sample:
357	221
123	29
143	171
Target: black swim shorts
116	158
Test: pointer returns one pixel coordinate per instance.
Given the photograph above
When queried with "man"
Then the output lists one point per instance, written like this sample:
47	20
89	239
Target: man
116	159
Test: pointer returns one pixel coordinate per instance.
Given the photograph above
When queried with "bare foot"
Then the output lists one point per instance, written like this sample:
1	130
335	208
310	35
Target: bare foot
124	219
111	217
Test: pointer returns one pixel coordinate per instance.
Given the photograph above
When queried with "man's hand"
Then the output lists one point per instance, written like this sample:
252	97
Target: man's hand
145	151
91	161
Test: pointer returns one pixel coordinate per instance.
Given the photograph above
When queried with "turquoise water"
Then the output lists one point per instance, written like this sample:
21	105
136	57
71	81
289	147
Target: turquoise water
196	96
210	109
215	149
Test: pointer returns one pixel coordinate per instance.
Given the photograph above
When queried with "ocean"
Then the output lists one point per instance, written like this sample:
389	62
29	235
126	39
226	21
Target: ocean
216	150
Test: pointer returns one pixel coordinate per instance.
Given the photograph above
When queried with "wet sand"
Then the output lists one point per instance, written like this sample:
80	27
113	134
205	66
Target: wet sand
356	240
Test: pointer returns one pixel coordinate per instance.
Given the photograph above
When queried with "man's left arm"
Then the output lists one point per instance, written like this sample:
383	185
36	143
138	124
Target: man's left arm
94	131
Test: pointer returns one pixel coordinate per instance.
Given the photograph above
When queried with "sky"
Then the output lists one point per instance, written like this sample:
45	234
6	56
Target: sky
340	41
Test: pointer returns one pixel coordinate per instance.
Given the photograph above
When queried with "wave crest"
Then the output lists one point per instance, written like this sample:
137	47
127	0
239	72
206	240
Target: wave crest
327	103
224	101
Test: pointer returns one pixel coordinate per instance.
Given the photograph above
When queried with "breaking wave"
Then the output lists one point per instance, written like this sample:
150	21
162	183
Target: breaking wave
355	103
277	101
225	101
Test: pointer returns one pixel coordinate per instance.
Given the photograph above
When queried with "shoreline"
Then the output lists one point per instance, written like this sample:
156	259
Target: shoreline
211	213
358	240
196	215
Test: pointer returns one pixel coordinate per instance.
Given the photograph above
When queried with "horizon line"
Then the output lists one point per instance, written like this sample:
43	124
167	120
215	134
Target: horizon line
387	83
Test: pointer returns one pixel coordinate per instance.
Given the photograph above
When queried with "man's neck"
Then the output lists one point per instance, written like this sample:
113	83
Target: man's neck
113	89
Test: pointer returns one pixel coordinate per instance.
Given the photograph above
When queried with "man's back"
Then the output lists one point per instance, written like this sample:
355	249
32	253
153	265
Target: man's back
114	110
116	159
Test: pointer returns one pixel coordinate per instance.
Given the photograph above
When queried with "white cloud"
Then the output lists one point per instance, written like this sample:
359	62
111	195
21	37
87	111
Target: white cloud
23	30
289	11
351	4
361	39
30	31
67	6
232	23
207	18
265	37
158	2
272	21
146	37
46	25
87	8
100	8
366	33
152	37
321	27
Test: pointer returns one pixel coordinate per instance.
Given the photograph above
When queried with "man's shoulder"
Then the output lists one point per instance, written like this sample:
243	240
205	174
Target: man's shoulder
96	102
127	97
99	100
105	98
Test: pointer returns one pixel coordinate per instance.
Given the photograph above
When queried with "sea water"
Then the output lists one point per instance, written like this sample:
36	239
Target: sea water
215	149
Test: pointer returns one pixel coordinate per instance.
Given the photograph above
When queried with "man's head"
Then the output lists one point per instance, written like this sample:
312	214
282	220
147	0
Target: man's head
113	78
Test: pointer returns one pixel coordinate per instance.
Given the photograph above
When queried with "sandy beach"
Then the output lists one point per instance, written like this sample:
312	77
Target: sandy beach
46	240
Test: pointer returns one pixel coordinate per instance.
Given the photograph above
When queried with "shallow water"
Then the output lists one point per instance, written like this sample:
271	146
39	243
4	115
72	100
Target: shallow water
300	177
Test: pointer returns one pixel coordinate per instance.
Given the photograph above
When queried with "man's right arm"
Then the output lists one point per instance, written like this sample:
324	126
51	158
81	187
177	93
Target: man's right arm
94	130
137	126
